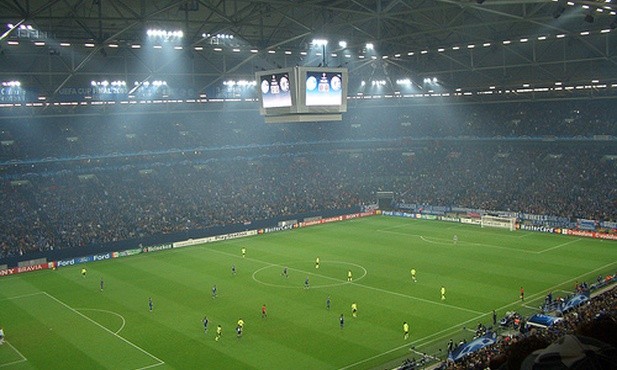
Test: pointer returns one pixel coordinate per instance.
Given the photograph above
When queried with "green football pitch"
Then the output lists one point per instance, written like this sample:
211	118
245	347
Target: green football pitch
59	319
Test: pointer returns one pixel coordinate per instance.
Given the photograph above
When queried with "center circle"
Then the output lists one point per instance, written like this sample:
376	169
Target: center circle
338	282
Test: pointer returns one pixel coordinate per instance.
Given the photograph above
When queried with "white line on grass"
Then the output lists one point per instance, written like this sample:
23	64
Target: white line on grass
558	246
161	362
23	358
21	296
425	340
361	285
110	312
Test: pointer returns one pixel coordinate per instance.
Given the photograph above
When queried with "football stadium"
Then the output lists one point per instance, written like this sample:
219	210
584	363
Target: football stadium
391	184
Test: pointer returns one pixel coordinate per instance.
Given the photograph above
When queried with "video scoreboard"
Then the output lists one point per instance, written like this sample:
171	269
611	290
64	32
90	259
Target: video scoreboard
303	94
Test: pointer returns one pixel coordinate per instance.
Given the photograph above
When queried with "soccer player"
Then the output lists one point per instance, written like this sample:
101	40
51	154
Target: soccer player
284	273
328	303
317	263
243	250
405	330
354	309
264	312
443	293
102	284
306	283
84	272
413	275
206	322
150	304
213	291
455	239
233	269
341	321
522	294
349	276
1	336
239	327
494	318
219	332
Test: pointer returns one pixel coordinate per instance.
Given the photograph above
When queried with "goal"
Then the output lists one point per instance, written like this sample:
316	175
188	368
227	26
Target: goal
499	222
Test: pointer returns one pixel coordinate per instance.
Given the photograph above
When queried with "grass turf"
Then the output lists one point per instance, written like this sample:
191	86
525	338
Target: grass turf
59	319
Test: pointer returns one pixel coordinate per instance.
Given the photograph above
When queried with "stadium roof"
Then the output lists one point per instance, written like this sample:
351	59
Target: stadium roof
51	45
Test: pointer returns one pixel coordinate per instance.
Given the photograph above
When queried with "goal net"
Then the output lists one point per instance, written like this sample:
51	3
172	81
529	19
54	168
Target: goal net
499	222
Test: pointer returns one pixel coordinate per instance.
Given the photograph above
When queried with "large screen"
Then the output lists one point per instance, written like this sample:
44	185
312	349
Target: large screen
322	90
303	94
277	91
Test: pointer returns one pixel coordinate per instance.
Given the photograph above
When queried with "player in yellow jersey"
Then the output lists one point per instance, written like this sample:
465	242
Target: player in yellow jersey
219	333
349	276
317	263
413	275
354	309
443	293
405	330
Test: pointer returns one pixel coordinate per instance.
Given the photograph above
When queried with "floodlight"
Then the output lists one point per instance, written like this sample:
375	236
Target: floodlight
320	42
342	44
370	46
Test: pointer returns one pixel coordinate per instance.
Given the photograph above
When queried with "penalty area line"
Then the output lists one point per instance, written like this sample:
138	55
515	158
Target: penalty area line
160	362
23	358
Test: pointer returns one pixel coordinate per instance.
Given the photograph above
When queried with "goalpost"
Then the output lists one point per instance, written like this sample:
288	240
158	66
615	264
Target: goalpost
499	222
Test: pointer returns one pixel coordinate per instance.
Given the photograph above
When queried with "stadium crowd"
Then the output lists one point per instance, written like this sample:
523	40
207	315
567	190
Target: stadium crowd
76	132
70	182
596	319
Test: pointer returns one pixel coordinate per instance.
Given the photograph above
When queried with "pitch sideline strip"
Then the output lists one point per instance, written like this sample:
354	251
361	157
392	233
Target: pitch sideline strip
160	362
425	340
361	285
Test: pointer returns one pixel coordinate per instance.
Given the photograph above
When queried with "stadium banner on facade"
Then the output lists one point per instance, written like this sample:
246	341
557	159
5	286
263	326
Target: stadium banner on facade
101	257
449	219
276	228
583	224
21	270
239	234
359	215
589	234
189	242
321	221
156	248
37	261
608	225
471	221
126	253
401	214
540	228
427	217
73	261
212	239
